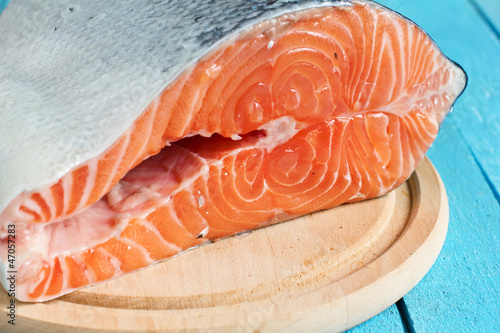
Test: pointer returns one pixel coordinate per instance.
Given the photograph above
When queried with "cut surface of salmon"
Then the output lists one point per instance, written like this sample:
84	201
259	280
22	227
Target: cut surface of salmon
300	112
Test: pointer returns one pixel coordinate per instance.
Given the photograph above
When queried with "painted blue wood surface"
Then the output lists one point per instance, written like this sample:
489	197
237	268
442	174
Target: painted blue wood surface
461	293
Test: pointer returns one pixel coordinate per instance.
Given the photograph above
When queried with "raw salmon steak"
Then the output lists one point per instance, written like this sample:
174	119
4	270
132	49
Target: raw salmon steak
131	131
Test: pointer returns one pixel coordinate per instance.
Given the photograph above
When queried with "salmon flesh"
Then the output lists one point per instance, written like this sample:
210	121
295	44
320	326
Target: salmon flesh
131	131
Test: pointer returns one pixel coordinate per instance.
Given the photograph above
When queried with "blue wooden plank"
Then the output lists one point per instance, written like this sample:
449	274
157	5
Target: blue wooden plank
460	292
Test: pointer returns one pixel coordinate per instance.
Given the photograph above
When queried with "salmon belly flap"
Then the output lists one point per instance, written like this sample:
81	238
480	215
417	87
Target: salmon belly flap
293	116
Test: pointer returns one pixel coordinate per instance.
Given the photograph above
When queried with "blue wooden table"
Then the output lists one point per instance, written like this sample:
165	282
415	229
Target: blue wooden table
461	293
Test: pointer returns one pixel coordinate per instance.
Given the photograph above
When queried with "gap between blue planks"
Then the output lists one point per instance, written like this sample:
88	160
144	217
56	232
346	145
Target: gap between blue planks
405	316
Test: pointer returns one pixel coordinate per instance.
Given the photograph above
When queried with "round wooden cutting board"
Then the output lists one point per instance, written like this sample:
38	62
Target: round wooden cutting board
327	271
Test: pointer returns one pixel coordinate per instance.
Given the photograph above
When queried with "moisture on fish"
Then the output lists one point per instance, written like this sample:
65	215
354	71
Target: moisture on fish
132	139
